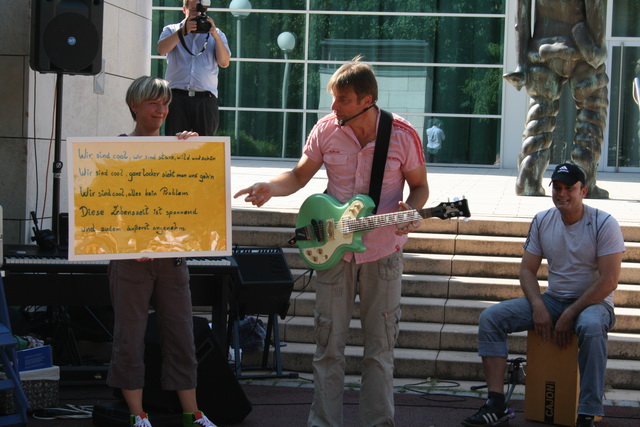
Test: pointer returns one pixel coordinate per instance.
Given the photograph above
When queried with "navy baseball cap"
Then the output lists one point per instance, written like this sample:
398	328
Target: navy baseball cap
568	174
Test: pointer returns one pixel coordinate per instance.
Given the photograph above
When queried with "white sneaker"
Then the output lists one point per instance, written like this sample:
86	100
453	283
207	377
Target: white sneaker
139	421
189	420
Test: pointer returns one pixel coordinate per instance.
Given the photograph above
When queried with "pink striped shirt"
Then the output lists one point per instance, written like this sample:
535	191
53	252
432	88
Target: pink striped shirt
348	168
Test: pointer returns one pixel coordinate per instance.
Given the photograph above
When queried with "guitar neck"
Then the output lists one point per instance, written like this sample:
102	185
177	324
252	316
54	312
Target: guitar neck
382	220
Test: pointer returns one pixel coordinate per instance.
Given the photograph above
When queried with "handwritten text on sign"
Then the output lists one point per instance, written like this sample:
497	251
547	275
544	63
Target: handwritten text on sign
133	197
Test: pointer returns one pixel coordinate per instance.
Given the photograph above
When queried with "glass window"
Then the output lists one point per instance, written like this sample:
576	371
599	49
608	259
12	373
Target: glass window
445	39
259	33
624	119
467	90
270	4
263	134
271	85
468	141
162	18
423	89
412	6
431	58
626	14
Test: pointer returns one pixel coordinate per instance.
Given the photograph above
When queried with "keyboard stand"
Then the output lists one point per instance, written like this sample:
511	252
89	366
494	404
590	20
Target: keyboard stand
38	278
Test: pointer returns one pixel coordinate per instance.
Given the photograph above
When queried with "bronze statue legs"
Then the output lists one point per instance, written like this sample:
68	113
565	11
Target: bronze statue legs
589	89
590	92
544	88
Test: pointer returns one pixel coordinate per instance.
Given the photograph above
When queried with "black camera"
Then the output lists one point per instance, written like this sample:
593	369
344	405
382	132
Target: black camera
202	23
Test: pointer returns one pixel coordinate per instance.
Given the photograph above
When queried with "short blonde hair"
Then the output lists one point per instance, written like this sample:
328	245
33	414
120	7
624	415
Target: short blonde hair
357	75
147	88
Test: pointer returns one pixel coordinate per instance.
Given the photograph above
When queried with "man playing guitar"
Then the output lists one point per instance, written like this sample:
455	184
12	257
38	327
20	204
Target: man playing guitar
344	142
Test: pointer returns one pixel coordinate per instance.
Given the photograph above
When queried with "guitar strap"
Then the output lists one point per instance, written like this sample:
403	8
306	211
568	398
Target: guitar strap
380	156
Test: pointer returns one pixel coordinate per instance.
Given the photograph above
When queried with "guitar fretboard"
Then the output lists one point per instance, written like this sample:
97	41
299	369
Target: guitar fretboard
352	225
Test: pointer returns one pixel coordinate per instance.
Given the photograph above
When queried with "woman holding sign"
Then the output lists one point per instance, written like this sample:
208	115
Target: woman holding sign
133	284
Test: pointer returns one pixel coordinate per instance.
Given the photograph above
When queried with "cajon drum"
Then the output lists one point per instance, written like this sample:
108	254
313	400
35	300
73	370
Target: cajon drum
552	385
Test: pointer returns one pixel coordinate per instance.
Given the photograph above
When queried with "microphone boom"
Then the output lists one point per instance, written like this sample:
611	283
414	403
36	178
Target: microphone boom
343	122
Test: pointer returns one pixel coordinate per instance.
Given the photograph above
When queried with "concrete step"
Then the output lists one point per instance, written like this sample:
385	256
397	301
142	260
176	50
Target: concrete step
263	217
475	226
461	287
261	235
430	243
453	270
509	267
450	365
446	264
434	243
446	337
451	311
479	226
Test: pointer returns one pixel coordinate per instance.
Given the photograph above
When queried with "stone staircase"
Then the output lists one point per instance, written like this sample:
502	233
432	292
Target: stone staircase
453	270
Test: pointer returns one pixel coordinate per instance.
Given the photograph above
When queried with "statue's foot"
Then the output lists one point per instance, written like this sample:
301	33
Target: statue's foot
522	190
597	193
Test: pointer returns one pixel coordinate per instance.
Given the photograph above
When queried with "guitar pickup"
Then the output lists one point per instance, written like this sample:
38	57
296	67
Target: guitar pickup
330	229
318	229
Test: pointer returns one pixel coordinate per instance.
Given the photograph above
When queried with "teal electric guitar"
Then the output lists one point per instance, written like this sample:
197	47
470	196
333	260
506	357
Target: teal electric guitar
326	228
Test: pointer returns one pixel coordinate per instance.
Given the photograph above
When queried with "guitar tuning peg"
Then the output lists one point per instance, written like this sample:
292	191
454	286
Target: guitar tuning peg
456	199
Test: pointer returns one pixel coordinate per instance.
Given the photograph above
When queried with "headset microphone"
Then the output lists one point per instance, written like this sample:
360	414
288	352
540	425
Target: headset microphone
343	122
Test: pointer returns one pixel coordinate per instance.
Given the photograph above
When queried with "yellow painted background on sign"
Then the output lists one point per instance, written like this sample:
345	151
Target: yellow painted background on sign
149	197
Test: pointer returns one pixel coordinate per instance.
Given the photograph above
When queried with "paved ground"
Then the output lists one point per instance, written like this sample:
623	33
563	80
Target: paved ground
277	404
491	192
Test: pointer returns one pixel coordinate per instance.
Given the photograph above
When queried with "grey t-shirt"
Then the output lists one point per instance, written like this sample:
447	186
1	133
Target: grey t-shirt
572	251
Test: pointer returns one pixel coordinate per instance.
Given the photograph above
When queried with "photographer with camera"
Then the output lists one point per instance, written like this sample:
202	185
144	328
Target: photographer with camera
195	50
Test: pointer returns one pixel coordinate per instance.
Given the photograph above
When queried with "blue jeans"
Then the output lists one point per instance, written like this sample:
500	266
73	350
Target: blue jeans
591	326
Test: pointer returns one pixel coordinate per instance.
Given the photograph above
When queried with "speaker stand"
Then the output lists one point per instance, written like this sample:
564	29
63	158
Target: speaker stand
272	330
58	326
57	163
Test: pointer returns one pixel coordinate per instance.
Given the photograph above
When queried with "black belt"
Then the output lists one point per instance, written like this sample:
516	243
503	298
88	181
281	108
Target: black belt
191	93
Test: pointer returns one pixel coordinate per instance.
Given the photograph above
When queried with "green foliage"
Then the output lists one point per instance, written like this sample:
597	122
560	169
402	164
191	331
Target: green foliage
485	89
249	146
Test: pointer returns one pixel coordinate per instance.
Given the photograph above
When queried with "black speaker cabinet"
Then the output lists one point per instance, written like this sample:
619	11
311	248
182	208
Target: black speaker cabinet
264	283
66	36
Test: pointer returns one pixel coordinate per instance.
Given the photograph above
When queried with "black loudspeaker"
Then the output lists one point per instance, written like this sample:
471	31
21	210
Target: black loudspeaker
66	36
264	283
219	393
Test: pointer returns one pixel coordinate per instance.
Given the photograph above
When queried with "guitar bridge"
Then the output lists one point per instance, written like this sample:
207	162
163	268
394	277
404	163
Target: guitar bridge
302	233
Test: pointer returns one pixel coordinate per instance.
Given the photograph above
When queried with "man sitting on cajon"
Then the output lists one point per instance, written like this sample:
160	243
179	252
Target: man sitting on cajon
584	248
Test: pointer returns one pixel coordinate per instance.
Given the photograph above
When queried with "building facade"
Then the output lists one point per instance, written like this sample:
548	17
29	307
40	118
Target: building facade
433	59
90	105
